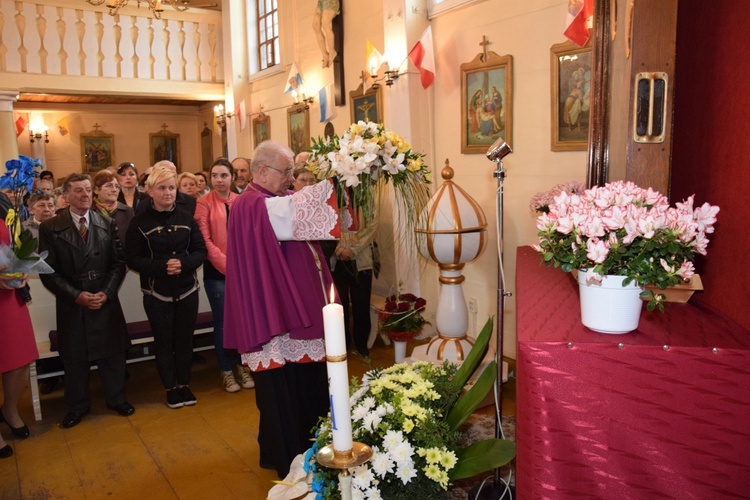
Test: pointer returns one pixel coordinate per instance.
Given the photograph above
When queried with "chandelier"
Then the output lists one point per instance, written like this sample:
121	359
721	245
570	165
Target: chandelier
154	5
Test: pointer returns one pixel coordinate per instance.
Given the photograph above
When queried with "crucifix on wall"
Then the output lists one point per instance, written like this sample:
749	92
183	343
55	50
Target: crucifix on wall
328	25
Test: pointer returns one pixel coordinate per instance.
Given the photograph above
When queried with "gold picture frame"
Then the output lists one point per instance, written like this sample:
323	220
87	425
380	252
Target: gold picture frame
571	68
486	102
298	128
97	151
165	146
261	128
366	106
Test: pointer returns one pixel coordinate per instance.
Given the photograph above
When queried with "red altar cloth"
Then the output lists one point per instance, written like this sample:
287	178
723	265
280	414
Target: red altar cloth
662	412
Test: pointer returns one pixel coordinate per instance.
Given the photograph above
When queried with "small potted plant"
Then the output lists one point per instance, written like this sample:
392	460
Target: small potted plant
401	319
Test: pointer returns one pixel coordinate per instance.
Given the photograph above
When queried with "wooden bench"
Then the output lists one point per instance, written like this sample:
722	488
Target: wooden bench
139	333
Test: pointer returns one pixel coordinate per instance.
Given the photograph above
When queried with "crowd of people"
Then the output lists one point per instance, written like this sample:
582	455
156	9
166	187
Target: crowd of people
266	289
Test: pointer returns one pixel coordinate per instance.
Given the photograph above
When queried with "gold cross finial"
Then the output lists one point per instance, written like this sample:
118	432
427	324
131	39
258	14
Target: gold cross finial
164	127
96	128
484	43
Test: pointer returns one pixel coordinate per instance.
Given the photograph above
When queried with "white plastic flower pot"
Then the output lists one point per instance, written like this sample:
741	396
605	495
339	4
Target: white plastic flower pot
607	306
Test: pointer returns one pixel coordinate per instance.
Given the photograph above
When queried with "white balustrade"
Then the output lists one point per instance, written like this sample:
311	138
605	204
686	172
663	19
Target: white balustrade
73	38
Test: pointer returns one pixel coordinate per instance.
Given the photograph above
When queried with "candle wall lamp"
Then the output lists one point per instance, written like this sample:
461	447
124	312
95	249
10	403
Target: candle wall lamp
36	132
221	116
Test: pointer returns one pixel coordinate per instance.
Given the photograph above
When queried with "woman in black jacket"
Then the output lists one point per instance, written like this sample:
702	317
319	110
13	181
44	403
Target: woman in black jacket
166	247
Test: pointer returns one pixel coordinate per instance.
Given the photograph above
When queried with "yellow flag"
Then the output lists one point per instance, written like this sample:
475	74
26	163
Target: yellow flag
373	60
64	129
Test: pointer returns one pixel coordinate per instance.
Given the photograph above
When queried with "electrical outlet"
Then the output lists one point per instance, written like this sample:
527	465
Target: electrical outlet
473	305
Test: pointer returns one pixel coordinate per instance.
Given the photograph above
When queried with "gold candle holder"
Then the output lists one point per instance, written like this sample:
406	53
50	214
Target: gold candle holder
335	459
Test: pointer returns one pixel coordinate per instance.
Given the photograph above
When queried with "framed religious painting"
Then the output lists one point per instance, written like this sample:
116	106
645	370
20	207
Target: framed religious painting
298	123
486	102
261	128
165	146
207	147
366	106
571	89
97	151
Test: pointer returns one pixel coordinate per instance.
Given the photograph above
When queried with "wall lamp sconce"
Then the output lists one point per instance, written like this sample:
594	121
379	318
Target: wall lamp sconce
389	76
221	116
301	98
36	133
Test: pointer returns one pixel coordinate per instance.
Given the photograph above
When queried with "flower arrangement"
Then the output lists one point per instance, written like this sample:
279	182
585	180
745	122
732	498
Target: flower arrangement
540	202
21	257
622	229
366	158
401	317
409	416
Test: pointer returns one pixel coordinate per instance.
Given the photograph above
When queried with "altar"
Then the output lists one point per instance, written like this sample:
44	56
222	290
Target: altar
662	412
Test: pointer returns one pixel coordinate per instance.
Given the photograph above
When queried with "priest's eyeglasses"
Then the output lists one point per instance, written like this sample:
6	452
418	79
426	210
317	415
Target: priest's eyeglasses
285	173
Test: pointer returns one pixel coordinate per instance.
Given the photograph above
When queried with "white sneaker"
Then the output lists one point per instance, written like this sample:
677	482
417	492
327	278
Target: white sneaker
244	378
230	384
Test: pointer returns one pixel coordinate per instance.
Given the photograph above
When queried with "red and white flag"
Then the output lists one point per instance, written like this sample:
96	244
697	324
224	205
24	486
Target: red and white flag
578	21
20	123
423	57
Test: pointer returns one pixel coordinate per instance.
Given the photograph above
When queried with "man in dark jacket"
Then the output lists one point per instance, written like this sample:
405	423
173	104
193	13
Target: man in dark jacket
85	252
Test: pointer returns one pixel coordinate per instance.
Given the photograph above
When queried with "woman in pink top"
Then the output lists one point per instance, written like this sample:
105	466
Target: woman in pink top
212	215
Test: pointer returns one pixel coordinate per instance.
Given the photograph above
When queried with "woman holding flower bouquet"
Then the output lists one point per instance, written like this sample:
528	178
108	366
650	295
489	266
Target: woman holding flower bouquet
17	350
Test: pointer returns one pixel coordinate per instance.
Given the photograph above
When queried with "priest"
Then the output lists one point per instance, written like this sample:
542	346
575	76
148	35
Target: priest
276	287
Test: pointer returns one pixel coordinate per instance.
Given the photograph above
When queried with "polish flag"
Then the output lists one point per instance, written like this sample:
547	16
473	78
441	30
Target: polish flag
423	57
577	24
20	123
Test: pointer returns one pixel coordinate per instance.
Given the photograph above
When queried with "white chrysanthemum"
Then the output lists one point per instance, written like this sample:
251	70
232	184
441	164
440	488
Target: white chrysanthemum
392	439
402	453
362	477
368	402
373	494
371	421
359	412
382	464
406	472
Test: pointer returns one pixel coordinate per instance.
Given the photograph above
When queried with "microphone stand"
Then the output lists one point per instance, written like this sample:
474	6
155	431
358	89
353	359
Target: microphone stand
498	489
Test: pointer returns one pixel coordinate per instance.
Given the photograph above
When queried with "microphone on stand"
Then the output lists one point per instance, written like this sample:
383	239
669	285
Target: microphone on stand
499	150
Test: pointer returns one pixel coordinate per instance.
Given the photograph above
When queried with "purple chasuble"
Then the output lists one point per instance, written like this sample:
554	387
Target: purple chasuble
272	287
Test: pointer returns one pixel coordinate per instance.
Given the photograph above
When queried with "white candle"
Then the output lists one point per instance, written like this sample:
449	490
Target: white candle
338	377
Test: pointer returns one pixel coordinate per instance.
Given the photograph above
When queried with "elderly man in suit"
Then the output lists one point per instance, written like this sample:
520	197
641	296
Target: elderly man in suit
86	254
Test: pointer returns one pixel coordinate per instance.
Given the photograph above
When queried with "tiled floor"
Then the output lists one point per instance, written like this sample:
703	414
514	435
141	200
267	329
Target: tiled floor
209	450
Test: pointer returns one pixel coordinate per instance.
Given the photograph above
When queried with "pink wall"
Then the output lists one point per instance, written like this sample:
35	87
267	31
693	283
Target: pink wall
711	150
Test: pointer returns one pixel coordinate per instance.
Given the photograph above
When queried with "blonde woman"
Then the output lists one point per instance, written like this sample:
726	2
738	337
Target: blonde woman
165	245
187	183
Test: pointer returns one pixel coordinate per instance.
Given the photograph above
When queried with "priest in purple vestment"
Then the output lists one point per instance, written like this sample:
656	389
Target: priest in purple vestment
276	287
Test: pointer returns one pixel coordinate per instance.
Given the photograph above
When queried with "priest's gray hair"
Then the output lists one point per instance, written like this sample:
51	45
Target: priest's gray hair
272	153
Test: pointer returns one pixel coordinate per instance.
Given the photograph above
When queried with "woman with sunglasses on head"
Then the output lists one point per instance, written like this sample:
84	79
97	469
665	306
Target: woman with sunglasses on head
212	214
106	193
130	195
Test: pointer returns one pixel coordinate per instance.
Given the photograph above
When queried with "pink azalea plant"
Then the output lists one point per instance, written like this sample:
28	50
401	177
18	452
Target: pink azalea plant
540	202
622	229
